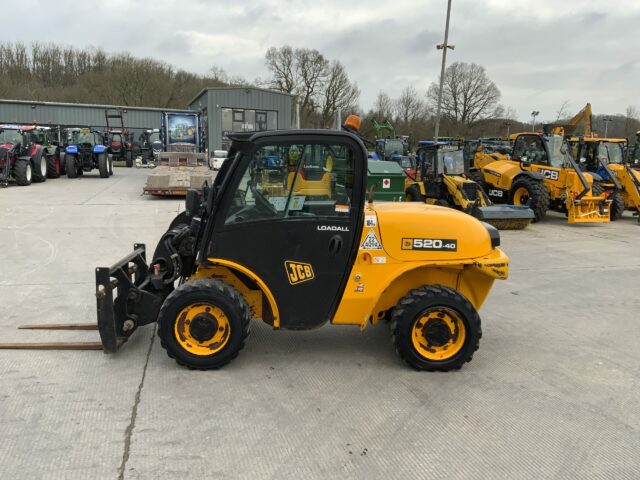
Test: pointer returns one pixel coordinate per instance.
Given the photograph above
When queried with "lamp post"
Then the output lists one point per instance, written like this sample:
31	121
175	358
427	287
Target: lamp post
534	114
606	125
444	47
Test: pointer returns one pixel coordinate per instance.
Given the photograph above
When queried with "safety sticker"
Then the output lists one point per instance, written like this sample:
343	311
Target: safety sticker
371	242
359	288
379	259
386	183
370	221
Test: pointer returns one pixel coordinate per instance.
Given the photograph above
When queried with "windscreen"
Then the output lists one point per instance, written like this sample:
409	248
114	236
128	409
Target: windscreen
611	152
451	162
9	137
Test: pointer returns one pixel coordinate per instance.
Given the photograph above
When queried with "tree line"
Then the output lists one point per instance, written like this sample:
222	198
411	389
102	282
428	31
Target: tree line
49	72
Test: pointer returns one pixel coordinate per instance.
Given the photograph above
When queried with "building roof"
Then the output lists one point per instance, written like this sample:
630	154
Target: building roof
267	90
91	105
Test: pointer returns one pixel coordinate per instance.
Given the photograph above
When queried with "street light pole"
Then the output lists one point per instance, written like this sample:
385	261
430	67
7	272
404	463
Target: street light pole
534	114
443	46
606	125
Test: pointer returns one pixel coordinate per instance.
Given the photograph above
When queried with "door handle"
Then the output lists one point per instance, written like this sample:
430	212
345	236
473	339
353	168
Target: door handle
335	245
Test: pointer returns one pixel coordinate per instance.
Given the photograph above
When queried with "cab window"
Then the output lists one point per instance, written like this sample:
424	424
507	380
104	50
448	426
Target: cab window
294	181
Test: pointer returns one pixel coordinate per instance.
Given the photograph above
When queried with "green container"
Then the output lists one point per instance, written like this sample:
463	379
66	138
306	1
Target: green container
388	178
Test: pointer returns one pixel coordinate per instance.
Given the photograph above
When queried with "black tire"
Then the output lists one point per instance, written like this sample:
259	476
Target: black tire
413	194
537	194
23	172
617	206
103	165
52	167
63	170
410	310
476	176
40	168
70	166
212	292
110	162
129	159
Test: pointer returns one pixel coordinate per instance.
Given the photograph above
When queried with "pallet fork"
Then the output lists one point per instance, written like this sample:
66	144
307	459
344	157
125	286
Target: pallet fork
128	277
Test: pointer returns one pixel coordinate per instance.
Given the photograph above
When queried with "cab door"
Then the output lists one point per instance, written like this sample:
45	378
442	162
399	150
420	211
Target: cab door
301	245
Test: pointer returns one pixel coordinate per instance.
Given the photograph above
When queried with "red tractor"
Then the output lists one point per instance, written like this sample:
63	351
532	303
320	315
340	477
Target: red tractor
27	154
119	141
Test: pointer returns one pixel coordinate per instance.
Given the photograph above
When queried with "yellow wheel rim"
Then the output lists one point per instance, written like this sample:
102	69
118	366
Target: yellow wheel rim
202	329
521	197
438	334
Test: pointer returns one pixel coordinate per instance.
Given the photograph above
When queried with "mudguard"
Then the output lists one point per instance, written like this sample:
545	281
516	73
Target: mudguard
527	173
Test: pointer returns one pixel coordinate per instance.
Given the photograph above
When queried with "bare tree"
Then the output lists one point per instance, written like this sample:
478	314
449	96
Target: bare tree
468	94
383	107
313	71
409	107
563	111
281	62
631	123
338	93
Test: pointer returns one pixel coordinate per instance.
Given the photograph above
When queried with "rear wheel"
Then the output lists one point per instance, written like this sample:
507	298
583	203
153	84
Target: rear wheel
617	206
53	166
103	165
531	193
110	162
129	159
23	172
40	169
203	324
413	194
70	166
435	328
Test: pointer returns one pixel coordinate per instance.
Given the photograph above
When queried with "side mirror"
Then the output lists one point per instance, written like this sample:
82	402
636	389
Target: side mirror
192	202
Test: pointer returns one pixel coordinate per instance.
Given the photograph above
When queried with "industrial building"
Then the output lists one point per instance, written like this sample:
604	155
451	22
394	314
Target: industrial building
230	109
224	110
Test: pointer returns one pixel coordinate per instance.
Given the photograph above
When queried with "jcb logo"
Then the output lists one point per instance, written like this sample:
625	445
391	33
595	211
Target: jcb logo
495	193
298	272
550	174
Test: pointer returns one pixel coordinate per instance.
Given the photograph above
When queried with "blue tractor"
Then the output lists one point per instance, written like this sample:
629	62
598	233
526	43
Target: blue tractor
84	151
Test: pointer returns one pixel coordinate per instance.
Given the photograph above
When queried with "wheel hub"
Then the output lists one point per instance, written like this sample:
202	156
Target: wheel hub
436	332
203	327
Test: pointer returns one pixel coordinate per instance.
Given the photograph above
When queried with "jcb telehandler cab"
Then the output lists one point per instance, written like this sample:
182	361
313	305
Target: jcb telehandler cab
604	159
440	180
542	174
241	251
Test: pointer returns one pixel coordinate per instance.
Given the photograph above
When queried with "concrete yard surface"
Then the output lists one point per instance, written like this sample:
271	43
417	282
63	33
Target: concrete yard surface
553	391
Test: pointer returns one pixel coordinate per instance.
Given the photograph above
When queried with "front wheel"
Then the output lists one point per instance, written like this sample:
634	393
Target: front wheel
53	166
103	165
23	172
70	166
203	324
531	193
129	159
435	328
40	169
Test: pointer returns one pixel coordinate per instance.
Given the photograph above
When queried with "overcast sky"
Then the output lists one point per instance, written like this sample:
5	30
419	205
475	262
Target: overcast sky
538	53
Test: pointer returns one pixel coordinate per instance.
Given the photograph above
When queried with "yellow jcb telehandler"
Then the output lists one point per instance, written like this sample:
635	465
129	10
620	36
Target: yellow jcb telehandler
542	174
296	262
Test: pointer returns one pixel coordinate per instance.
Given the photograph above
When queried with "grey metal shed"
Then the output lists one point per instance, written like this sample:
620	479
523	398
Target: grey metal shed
240	109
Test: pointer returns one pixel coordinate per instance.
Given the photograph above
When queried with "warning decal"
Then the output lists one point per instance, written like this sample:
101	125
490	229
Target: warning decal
371	242
386	183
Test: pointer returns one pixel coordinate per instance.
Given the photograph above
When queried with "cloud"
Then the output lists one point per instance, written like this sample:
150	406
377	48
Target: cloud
538	54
